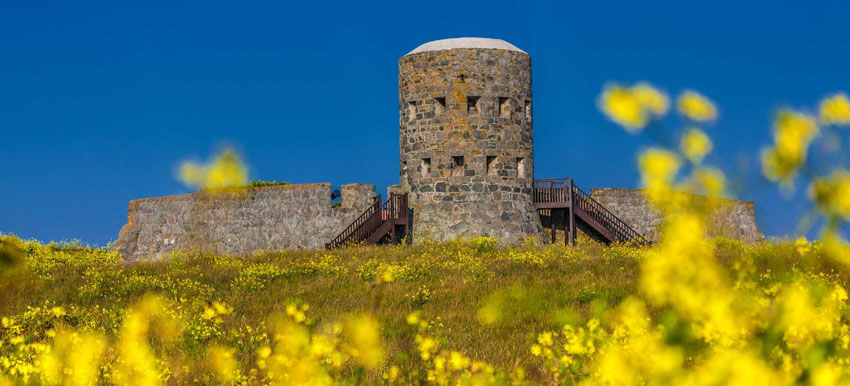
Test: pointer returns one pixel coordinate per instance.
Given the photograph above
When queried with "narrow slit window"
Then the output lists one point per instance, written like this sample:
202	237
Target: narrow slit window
504	107
527	110
472	107
425	167
491	165
440	106
457	166
521	167
411	111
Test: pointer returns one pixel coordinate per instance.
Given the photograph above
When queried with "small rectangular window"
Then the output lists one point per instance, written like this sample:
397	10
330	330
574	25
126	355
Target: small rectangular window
491	165
457	166
504	107
411	111
472	107
528	110
440	106
521	167
425	167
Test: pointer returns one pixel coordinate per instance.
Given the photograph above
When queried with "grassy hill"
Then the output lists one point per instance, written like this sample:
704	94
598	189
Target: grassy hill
216	317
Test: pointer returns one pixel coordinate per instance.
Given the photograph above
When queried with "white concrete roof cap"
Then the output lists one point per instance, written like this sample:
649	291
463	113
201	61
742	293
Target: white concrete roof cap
448	44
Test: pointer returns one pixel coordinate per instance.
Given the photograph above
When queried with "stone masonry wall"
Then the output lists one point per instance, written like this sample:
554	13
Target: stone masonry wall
471	105
734	219
241	221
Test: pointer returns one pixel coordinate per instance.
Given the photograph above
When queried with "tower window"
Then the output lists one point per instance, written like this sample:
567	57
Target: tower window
425	167
411	111
504	107
521	167
457	166
472	107
440	106
491	165
528	110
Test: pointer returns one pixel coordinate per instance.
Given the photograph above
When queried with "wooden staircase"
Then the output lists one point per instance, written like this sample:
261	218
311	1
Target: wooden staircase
389	221
580	211
386	222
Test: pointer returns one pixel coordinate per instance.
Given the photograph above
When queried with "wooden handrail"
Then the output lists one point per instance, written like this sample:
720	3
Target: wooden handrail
372	219
622	231
557	190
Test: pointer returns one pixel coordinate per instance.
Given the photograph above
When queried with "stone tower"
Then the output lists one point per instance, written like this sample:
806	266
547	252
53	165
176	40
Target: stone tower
467	155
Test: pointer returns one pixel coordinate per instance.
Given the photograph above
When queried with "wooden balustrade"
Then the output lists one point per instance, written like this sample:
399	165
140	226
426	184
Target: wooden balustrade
376	218
562	193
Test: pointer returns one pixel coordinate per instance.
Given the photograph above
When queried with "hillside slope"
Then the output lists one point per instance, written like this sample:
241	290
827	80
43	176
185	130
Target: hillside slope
487	303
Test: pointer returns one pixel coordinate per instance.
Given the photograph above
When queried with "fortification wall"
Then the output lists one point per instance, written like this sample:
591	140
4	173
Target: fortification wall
733	219
466	148
240	221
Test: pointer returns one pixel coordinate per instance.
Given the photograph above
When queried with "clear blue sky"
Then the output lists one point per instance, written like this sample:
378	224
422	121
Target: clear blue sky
100	101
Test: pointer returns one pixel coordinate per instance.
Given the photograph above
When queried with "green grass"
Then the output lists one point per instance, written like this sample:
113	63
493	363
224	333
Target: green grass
533	288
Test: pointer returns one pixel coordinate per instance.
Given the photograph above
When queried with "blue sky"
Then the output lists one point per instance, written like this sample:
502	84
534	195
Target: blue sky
99	102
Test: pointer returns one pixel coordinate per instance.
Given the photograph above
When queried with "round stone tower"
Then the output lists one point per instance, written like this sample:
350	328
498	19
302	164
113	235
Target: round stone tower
467	155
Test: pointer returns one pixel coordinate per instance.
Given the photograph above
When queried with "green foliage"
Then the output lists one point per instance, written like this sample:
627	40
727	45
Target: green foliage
262	184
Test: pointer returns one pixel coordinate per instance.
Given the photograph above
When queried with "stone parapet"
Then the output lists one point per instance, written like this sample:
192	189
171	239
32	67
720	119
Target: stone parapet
238	221
732	219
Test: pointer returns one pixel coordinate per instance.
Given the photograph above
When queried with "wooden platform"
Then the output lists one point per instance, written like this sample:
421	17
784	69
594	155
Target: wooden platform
580	211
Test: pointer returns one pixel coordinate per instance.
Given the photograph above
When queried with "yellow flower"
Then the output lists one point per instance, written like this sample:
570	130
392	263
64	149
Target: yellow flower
696	107
832	194
709	181
73	359
363	336
223	362
623	108
792	133
835	109
458	361
412	318
650	98
392	374
545	339
802	245
658	169
225	171
695	145
632	107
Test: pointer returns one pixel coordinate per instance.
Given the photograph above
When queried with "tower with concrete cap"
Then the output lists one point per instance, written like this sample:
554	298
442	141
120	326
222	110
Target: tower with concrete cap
466	139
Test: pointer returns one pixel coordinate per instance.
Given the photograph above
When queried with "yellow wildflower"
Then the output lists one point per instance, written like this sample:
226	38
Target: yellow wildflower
536	349
412	318
458	361
649	98
392	374
802	245
696	107
832	194
632	107
225	171
793	131
695	145
835	109
363	336
658	170
709	181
